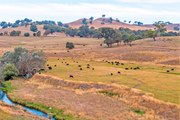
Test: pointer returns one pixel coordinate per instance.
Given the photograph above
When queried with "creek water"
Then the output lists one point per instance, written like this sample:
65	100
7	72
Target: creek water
5	99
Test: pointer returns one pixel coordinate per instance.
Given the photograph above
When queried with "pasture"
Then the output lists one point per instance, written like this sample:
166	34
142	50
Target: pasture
148	78
152	67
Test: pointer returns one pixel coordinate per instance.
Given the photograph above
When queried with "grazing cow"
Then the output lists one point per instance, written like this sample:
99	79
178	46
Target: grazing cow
79	65
172	69
71	76
111	74
92	68
126	68
55	65
50	68
122	63
67	50
39	72
119	72
67	64
131	68
47	64
42	69
100	44
55	53
137	67
88	67
167	71
80	69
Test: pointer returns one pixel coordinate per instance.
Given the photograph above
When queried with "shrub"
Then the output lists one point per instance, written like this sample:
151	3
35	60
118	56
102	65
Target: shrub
69	45
9	72
15	33
26	34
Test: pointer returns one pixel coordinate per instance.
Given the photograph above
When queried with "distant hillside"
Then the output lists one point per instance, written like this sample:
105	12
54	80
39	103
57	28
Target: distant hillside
97	23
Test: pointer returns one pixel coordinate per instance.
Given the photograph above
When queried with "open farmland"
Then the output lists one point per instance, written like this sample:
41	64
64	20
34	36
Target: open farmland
142	67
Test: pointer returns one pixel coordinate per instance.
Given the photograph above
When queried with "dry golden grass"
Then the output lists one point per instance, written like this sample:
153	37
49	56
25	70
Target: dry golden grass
154	59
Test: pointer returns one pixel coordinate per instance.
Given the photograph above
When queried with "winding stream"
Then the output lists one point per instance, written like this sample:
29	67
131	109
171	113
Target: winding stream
4	98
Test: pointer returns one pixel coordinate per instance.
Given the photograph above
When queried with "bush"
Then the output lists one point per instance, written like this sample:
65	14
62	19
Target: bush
9	72
26	34
69	45
15	33
26	62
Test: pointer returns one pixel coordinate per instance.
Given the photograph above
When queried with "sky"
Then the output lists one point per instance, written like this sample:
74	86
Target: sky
146	11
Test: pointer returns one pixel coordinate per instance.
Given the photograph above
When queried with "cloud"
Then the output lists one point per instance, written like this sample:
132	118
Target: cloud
150	1
67	12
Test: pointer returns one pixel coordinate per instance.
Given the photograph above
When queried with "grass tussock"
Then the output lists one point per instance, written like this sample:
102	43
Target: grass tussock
109	93
138	111
7	87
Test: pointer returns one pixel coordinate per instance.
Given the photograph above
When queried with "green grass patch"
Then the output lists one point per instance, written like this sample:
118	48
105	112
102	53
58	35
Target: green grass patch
7	87
56	113
138	111
150	78
109	93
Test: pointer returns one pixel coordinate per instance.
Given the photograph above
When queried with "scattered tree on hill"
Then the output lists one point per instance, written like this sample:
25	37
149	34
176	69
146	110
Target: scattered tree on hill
117	20
108	34
71	32
69	45
152	34
103	16
177	28
110	20
160	25
33	28
4	24
84	21
91	20
83	31
60	24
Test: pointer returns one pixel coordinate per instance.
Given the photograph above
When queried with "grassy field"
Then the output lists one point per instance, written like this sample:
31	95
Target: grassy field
149	78
154	59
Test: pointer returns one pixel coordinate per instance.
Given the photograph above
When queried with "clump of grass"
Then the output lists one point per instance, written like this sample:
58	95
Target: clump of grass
138	111
6	87
109	93
54	112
